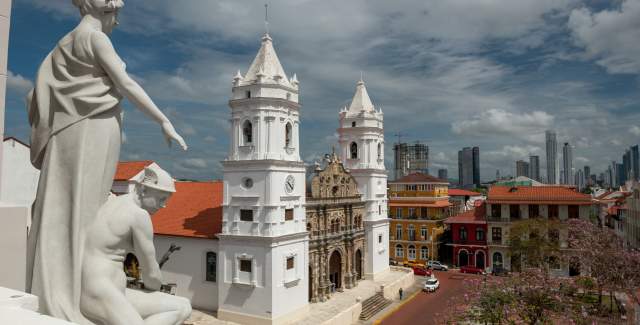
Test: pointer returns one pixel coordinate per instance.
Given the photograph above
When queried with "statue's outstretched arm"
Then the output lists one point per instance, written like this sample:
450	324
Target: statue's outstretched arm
145	251
112	64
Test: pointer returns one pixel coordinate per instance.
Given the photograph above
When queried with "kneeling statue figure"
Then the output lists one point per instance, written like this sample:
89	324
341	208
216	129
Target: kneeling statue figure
123	225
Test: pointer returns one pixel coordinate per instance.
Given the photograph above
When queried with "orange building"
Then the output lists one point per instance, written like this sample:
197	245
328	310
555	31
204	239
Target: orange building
418	204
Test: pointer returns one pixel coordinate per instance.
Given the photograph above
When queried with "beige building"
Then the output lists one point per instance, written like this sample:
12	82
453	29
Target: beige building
632	226
334	221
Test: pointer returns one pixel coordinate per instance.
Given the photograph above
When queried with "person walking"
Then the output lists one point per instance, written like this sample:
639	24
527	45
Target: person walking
400	293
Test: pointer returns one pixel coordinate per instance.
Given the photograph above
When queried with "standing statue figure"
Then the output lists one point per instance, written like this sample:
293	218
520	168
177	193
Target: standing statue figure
75	122
123	225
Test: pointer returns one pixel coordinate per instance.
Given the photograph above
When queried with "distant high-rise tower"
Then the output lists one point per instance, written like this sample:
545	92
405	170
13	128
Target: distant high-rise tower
469	167
534	168
635	163
522	168
567	164
626	166
443	174
587	176
552	157
410	158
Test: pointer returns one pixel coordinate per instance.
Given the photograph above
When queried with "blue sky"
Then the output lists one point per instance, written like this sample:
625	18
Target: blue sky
494	74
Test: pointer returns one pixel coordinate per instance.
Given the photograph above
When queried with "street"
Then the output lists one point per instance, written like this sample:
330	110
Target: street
423	308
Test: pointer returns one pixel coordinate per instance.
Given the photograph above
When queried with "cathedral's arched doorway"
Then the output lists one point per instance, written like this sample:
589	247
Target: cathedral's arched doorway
480	259
310	282
463	258
358	261
335	270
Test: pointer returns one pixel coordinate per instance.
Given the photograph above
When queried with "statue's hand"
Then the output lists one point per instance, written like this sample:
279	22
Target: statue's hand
171	134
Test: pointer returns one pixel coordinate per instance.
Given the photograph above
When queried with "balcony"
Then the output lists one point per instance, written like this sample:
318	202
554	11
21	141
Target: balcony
470	242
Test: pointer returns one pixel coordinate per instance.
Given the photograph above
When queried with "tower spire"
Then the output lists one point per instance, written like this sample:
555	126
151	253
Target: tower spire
266	18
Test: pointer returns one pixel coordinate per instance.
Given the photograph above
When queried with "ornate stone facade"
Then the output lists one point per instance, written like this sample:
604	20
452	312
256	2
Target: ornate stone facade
335	212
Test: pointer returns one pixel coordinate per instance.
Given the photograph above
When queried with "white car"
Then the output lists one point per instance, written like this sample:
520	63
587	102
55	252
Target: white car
435	265
432	284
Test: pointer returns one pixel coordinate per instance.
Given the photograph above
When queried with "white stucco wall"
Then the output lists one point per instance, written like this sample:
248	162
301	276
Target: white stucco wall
19	181
186	268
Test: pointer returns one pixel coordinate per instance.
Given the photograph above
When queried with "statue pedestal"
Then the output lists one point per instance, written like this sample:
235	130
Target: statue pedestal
13	246
17	307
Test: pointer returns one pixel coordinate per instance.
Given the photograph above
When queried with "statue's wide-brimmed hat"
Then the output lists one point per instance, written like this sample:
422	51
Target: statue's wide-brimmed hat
158	179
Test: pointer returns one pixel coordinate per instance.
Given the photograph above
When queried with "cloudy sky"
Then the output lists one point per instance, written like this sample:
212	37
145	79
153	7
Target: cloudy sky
489	73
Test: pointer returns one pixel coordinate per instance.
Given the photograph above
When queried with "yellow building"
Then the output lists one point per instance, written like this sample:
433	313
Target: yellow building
418	204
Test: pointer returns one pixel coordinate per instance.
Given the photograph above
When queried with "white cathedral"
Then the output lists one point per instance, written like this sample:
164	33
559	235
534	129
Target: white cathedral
263	245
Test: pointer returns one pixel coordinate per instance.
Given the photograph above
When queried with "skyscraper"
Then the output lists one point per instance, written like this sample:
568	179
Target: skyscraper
552	157
587	175
534	168
469	167
522	168
443	174
635	162
626	166
410	158
567	164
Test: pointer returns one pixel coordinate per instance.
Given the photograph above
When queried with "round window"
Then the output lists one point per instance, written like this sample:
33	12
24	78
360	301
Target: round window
247	183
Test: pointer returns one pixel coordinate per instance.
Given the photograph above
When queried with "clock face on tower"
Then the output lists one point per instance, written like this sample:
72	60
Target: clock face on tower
289	184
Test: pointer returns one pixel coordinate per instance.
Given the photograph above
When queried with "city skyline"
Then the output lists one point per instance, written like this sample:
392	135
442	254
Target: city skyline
501	100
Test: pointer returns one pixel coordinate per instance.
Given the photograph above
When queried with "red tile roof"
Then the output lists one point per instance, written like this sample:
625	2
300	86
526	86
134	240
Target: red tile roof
476	215
128	169
419	178
461	192
194	210
536	194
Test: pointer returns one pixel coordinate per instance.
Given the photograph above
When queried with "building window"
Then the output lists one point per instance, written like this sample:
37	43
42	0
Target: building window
574	212
353	124
496	235
245	266
211	266
412	212
424	253
424	213
246	215
354	150
290	262
534	211
423	233
379	209
247	133
463	233
379	239
412	252
514	211
287	135
553	212
412	233
309	227
479	234
398	213
379	151
399	251
248	93
496	210
288	214
497	260
398	232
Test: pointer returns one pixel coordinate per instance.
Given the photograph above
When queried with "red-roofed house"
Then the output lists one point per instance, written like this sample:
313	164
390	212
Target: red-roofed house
191	219
469	238
507	204
463	200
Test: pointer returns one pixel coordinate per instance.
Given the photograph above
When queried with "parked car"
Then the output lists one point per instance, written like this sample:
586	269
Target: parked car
412	264
392	261
436	265
431	284
422	271
499	271
471	269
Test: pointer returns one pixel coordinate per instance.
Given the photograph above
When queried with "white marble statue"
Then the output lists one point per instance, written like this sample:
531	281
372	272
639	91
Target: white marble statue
123	225
75	120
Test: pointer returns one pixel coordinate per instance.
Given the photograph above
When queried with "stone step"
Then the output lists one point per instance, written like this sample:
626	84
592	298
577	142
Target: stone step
373	305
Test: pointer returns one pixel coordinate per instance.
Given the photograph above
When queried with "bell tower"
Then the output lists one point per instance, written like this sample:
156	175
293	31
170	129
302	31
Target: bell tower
361	138
263	246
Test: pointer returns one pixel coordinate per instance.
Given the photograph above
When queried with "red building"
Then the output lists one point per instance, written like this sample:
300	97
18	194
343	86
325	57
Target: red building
469	237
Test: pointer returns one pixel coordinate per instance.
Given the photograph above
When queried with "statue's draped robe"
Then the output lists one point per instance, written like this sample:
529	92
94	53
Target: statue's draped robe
75	141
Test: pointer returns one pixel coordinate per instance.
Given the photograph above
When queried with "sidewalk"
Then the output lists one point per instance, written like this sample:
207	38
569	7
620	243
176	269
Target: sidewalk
409	294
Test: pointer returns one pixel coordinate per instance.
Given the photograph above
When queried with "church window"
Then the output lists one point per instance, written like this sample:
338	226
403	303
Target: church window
379	151
211	266
245	266
287	135
247	133
353	124
246	215
248	94
379	239
288	214
290	263
379	209
354	150
399	251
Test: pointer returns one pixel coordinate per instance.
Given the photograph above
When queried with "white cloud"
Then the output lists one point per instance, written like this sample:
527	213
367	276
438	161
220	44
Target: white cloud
194	163
611	37
500	122
18	84
635	130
